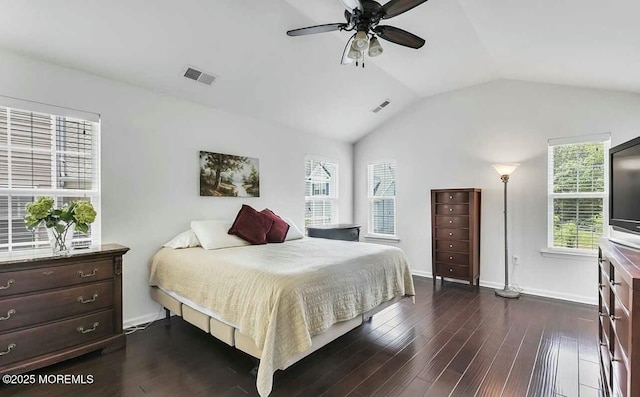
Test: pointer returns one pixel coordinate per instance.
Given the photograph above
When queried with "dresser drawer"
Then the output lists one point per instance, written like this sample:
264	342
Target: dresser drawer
452	209
622	328
452	197
452	258
450	270
452	221
22	281
49	338
35	309
452	246
619	371
605	359
621	289
605	295
605	323
452	234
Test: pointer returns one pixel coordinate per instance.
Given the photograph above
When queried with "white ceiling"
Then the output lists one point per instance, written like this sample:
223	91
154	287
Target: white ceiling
298	82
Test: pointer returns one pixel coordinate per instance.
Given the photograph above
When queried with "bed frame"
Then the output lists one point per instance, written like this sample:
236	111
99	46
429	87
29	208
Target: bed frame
233	337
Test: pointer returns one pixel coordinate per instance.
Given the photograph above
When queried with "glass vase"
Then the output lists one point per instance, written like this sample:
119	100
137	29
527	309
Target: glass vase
61	242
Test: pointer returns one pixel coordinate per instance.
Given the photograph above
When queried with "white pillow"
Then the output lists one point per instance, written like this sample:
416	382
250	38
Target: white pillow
214	235
186	239
294	233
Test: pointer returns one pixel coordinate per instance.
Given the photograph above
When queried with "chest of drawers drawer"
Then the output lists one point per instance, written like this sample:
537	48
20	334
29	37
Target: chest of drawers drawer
452	246
52	337
452	209
452	234
451	270
34	309
23	281
452	197
452	258
452	221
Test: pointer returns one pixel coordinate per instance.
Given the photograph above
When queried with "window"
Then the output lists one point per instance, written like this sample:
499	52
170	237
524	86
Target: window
382	198
45	155
321	191
578	192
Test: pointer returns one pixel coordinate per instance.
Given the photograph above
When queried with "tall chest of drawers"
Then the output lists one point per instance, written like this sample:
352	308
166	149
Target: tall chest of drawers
619	326
455	234
56	308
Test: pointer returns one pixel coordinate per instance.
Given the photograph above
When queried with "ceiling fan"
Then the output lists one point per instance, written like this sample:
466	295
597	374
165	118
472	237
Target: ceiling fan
363	17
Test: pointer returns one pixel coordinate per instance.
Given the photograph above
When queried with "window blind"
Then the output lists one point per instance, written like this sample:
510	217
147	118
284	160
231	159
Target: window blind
321	191
382	194
44	155
578	183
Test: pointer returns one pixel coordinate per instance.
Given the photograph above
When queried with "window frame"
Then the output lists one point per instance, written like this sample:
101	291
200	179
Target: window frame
94	194
371	198
551	250
332	198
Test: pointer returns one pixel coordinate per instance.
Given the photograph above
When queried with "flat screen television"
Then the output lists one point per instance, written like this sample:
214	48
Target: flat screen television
624	187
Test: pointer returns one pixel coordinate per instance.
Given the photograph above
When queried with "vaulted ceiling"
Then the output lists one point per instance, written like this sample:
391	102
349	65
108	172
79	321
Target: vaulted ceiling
299	82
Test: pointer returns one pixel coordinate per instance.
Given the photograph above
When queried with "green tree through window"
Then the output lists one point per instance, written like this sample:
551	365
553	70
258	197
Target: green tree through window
577	194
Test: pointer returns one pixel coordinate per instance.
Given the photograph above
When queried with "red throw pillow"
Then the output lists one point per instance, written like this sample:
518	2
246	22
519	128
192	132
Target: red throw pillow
279	229
250	225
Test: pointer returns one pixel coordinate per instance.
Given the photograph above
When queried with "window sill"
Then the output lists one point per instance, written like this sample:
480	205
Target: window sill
578	255
382	237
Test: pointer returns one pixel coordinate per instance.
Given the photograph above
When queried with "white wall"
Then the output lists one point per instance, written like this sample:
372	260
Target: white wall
150	167
451	140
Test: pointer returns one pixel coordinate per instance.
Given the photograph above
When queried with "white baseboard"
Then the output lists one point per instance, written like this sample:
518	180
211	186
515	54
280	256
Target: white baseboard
529	291
147	318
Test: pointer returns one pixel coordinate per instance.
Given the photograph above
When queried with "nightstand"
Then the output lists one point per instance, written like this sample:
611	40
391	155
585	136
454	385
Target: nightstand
347	232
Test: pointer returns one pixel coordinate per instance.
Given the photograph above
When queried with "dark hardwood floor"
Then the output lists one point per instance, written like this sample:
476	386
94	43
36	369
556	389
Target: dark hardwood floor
452	342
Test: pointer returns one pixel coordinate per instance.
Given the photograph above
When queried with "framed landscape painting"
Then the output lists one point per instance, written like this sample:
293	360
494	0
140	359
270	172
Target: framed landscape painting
226	175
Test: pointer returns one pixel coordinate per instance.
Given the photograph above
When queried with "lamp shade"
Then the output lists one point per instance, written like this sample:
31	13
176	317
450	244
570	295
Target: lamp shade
506	168
360	41
375	48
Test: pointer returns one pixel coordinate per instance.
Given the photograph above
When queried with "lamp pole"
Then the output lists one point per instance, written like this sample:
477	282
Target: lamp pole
507	291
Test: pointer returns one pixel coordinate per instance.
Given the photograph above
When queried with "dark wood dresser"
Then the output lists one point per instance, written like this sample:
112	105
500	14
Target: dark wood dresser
347	232
619	327
56	308
455	234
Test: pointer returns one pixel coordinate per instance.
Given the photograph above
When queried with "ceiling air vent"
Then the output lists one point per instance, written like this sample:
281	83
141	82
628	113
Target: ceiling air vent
199	76
381	106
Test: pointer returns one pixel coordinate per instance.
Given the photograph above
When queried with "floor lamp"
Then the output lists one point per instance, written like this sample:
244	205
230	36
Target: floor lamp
505	170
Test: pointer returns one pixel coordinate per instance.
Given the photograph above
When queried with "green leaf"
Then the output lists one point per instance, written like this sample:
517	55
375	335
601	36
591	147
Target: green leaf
83	227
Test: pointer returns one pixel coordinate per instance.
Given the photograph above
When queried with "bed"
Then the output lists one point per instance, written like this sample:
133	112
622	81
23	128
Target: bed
280	302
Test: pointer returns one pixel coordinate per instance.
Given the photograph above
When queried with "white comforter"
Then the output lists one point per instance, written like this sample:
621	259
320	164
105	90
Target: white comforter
282	294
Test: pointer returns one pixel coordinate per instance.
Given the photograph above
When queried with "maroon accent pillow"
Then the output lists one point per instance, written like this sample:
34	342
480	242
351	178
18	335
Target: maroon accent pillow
250	225
279	229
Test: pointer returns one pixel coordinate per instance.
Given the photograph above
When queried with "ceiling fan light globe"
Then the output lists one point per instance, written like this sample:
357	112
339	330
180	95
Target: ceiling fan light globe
375	48
354	54
361	41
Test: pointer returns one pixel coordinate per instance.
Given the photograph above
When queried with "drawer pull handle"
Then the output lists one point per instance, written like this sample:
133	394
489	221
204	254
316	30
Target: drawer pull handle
600	314
47	273
614	318
450	270
450	221
451	258
450	209
450	245
11	281
84	302
616	359
603	344
10	313
614	283
601	286
86	331
83	275
450	197
450	234
9	348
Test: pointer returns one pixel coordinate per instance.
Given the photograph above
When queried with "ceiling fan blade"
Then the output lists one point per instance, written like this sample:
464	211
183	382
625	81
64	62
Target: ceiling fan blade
352	4
345	59
399	36
396	7
316	29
